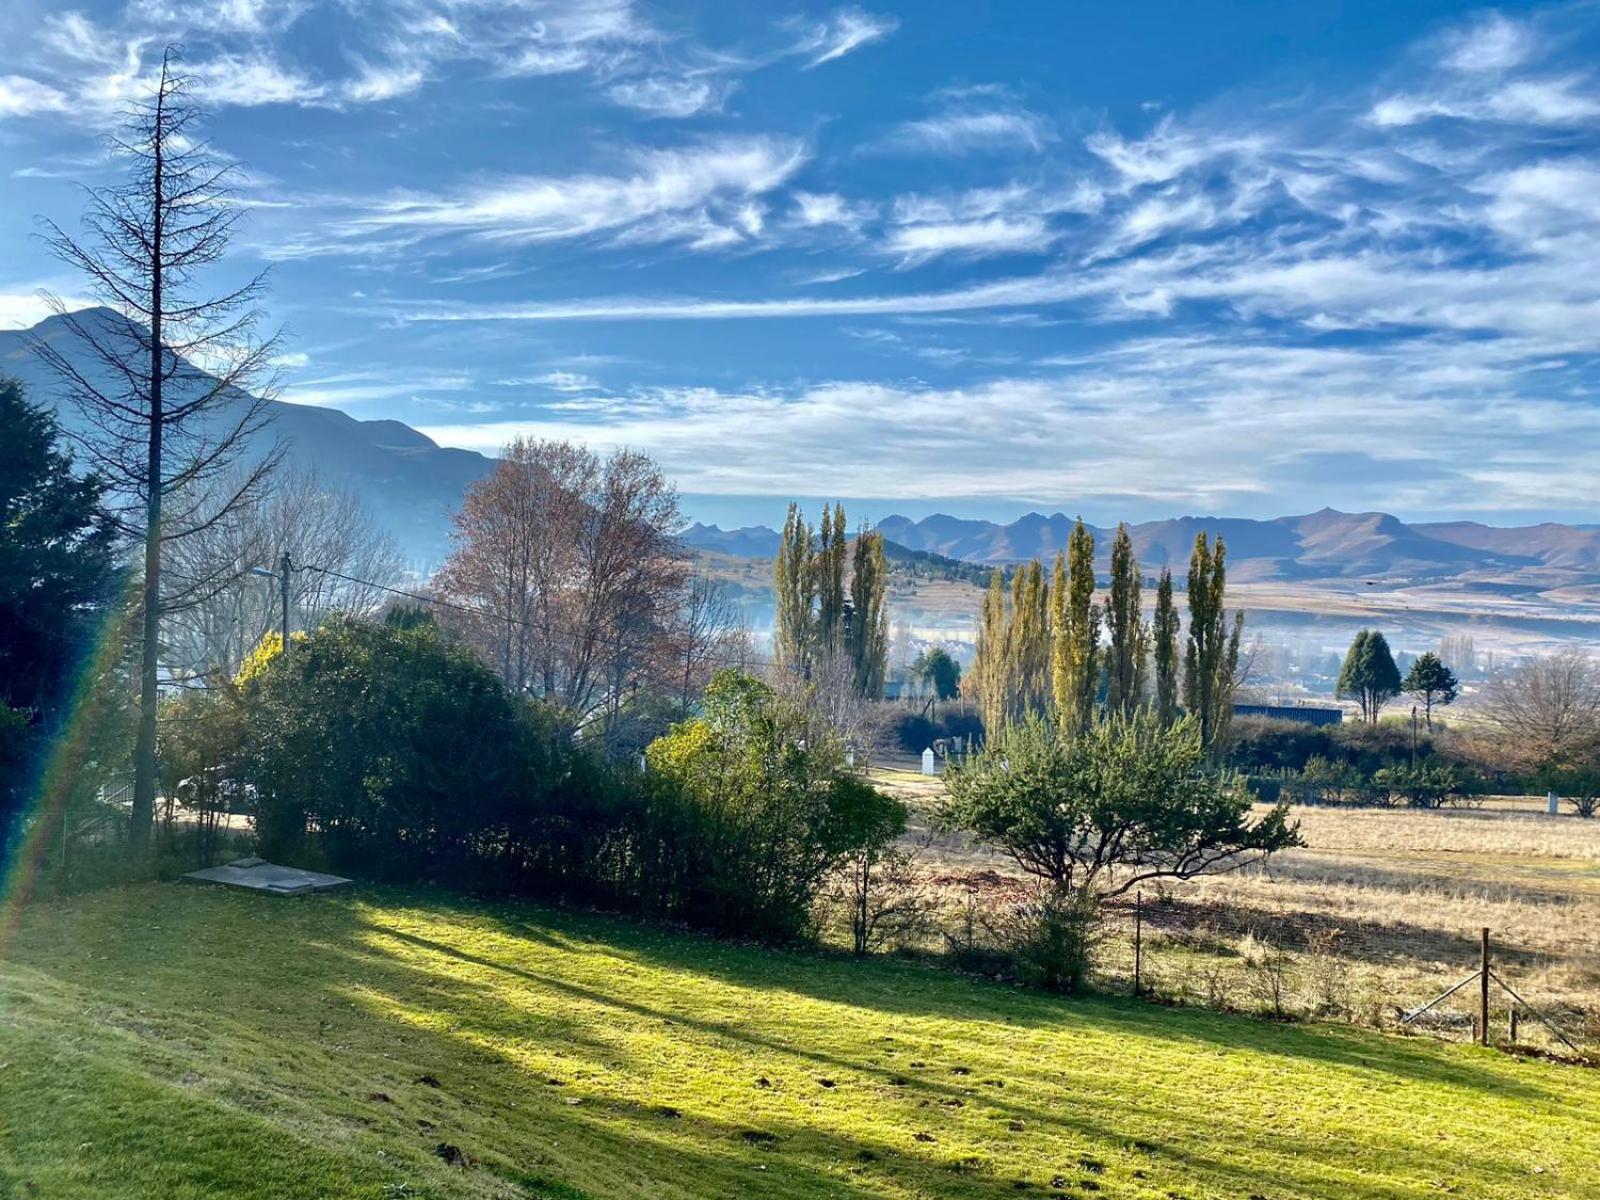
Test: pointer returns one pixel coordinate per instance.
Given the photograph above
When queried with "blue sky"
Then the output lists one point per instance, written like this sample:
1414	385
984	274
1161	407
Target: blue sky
1128	260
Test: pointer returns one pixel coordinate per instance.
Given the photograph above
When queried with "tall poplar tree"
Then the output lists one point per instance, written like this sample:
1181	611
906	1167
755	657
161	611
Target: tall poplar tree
794	582
989	661
829	566
1211	662
1028	682
1129	637
1076	635
869	614
1164	632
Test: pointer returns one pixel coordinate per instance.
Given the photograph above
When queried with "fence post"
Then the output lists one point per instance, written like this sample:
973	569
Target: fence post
1511	1025
1138	942
1483	991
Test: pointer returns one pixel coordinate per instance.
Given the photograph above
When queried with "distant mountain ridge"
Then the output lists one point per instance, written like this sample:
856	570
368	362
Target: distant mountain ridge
409	483
412	485
1327	544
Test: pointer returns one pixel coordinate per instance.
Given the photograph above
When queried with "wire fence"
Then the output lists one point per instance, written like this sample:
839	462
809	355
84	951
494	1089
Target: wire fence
1452	981
1296	966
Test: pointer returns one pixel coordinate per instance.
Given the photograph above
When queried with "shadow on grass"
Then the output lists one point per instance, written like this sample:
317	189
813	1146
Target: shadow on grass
912	990
368	1016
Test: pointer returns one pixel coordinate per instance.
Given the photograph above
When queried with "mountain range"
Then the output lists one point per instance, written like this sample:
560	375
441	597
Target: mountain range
1322	545
411	485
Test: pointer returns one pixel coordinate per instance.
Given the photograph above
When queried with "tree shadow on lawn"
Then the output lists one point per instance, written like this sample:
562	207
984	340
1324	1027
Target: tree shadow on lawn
335	948
901	987
1292	1162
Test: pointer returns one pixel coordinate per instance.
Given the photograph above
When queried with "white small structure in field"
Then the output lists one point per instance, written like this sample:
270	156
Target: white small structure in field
927	762
1553	802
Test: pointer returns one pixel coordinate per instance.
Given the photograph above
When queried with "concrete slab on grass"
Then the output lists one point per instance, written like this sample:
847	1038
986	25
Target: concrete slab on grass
258	875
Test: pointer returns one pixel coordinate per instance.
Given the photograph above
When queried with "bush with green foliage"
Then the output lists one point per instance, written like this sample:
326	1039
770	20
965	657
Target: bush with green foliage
391	751
1126	801
752	807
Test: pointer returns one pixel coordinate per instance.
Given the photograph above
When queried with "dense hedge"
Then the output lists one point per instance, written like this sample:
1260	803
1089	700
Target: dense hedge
388	752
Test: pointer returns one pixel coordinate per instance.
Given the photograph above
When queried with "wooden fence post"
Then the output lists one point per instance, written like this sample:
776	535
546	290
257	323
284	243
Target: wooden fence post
1138	942
1483	991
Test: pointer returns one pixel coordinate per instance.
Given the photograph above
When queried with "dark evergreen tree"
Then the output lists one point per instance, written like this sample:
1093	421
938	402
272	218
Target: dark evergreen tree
57	581
1369	675
1430	681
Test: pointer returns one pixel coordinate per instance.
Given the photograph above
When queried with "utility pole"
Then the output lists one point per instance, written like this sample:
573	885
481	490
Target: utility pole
283	590
282	576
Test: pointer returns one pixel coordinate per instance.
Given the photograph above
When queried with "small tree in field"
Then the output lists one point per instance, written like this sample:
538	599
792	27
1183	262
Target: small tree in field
1095	813
1430	681
1124	802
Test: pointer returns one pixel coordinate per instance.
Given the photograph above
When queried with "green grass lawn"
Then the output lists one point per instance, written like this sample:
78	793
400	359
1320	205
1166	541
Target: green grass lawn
171	1042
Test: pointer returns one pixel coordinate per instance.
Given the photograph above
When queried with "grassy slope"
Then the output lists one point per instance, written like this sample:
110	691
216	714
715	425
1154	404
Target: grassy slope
173	1042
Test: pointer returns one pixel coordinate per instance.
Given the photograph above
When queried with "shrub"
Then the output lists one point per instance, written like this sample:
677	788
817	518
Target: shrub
752	808
1054	939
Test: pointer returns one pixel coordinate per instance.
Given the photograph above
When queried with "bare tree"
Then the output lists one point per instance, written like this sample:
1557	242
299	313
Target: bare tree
1546	712
707	637
173	384
569	574
343	563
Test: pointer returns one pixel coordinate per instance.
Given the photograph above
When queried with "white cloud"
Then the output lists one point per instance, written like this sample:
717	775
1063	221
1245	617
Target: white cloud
846	30
1222	423
701	194
958	133
661	96
256	80
1492	44
24	97
918	243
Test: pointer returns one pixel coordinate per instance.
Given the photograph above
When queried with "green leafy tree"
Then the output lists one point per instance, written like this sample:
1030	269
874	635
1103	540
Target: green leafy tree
1369	675
1125	801
940	673
58	580
1211	660
1165	630
869	615
772	807
1076	633
795	583
1128	636
1430	681
357	736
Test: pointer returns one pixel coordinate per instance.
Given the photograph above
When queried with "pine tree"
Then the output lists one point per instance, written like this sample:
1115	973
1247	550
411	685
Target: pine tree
1075	656
1369	675
869	615
1431	682
1165	631
1129	636
1211	661
794	581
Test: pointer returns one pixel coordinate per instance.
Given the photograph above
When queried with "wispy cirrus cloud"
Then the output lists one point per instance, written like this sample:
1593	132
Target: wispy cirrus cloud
704	195
841	33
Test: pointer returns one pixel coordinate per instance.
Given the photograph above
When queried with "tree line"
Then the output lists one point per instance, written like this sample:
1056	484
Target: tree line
1048	647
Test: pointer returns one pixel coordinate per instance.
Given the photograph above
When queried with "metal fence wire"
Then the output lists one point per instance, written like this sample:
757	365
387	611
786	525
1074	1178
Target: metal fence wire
1461	983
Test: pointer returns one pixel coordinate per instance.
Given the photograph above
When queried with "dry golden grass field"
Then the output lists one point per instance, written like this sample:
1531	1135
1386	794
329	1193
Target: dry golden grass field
1378	912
